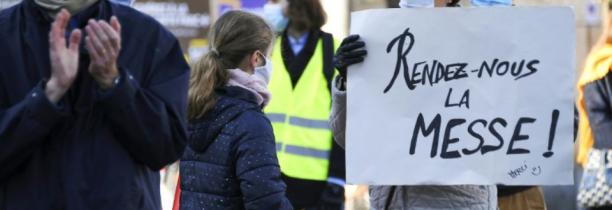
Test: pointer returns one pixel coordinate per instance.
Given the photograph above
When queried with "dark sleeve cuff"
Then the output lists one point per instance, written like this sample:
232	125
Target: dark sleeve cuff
337	162
336	181
121	94
41	109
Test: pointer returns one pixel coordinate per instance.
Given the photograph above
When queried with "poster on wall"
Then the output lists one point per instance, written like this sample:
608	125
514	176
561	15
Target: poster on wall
188	20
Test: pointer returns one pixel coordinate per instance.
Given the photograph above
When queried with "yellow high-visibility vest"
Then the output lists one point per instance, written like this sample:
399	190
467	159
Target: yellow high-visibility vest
300	117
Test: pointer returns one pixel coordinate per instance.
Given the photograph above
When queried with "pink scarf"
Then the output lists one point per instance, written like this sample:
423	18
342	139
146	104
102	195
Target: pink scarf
253	83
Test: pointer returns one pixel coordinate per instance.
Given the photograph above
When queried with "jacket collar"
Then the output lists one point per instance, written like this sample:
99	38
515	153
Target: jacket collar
296	64
237	93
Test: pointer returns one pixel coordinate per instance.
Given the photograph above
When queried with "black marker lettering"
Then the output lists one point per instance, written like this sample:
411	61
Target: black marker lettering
426	73
475	135
516	71
517	136
465	99
504	66
434	128
445	154
487	68
491	148
551	135
401	58
531	67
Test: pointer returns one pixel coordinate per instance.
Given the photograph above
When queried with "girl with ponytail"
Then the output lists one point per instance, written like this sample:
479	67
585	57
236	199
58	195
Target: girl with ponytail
230	161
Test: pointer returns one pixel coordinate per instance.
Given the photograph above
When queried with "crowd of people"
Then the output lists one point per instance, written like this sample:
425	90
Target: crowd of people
96	98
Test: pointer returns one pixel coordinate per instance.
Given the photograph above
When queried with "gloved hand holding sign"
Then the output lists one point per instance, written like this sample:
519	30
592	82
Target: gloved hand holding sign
351	51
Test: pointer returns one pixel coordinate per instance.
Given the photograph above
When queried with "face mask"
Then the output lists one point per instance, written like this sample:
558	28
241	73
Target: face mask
124	2
264	71
487	3
274	15
416	3
73	6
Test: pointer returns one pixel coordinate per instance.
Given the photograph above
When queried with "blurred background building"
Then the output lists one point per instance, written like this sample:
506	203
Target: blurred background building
190	20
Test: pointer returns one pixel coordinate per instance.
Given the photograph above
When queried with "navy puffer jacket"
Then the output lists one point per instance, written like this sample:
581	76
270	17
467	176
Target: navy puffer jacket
230	161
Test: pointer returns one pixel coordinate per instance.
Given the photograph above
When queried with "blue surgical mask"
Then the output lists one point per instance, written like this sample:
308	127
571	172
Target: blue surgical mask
488	3
416	3
274	15
124	2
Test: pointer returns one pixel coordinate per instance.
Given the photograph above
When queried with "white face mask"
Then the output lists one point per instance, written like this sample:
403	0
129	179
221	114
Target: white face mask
265	71
273	13
416	3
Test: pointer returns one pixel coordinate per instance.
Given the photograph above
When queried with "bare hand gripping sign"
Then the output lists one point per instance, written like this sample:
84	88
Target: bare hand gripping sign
462	96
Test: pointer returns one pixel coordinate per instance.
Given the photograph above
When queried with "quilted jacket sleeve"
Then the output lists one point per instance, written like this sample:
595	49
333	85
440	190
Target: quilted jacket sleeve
337	117
257	165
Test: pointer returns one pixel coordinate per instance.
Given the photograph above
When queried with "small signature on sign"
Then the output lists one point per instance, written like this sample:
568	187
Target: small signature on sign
525	169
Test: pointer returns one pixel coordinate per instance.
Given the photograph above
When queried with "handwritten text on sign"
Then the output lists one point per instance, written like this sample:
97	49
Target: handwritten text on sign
462	98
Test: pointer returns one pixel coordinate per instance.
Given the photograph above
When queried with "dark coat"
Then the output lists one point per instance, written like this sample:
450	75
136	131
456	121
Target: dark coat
95	150
598	103
230	160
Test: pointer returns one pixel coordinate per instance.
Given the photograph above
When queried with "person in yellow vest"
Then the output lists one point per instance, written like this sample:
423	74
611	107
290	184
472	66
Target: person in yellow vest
312	165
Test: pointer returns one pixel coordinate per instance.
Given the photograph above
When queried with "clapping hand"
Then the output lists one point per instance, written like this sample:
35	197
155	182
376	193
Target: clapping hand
64	59
104	44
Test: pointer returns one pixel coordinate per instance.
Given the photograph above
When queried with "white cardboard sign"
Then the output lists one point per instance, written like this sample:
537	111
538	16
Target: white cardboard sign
451	96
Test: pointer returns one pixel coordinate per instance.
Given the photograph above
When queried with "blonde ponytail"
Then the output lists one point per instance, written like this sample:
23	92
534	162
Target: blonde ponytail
206	76
233	37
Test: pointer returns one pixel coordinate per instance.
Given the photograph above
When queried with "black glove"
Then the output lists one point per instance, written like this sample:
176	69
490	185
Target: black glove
350	52
332	197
